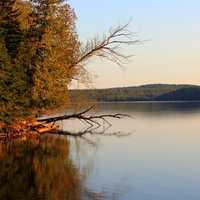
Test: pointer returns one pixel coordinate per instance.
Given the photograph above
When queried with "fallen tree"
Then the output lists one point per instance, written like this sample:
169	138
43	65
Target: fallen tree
34	127
83	116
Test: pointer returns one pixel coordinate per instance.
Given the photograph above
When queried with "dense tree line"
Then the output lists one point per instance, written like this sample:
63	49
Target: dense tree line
153	92
40	54
38	44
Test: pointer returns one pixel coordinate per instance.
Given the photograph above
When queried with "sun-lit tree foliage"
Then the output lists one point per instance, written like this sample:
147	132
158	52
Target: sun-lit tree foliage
40	54
38	46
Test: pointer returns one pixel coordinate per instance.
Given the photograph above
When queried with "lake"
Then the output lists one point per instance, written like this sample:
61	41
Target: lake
154	155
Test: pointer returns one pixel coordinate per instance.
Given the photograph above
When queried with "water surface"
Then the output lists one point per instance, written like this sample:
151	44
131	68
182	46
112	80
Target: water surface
153	155
159	160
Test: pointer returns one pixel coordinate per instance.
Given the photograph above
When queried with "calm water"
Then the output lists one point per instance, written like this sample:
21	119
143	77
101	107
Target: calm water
155	155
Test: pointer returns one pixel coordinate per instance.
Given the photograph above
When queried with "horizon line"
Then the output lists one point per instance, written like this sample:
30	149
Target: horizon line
139	85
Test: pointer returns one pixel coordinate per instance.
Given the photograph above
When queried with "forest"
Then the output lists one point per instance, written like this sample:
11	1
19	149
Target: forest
153	92
41	54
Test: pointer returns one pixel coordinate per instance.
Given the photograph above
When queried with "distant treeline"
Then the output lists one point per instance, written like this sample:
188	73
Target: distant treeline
154	92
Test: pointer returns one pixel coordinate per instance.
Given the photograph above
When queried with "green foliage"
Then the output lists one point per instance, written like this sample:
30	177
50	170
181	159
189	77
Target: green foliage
12	82
12	87
38	49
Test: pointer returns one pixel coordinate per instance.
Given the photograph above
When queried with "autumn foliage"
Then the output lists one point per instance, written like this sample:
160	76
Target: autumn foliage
40	54
38	46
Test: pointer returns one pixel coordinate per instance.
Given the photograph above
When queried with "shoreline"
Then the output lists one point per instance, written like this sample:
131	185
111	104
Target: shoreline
135	102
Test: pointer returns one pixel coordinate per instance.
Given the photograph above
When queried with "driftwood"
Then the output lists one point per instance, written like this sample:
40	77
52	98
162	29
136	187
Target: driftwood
33	128
92	120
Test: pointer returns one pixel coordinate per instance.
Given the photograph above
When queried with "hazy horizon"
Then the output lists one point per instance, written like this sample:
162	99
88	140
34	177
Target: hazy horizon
170	54
139	85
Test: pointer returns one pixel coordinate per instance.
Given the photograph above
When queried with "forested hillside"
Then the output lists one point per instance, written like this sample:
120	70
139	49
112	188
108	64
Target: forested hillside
154	92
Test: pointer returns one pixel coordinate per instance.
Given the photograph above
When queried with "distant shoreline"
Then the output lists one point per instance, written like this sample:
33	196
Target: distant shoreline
135	102
145	93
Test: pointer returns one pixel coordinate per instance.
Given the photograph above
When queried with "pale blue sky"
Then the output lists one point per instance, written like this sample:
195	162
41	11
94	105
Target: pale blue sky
172	54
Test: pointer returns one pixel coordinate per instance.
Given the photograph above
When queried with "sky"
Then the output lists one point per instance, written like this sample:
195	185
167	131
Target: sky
170	30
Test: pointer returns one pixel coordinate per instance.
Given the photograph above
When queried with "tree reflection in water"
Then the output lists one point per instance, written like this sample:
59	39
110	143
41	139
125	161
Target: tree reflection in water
43	169
40	170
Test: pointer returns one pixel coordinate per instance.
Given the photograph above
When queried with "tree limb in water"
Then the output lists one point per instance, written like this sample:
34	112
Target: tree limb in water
31	129
92	120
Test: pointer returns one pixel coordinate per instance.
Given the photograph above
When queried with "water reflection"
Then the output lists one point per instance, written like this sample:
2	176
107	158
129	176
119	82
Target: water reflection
152	108
160	160
44	169
38	170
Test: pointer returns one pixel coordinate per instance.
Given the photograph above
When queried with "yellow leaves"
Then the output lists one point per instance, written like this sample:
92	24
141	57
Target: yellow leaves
24	8
48	49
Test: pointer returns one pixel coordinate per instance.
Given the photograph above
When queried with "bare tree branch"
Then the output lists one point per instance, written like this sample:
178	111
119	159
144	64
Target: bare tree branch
109	46
92	120
47	125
